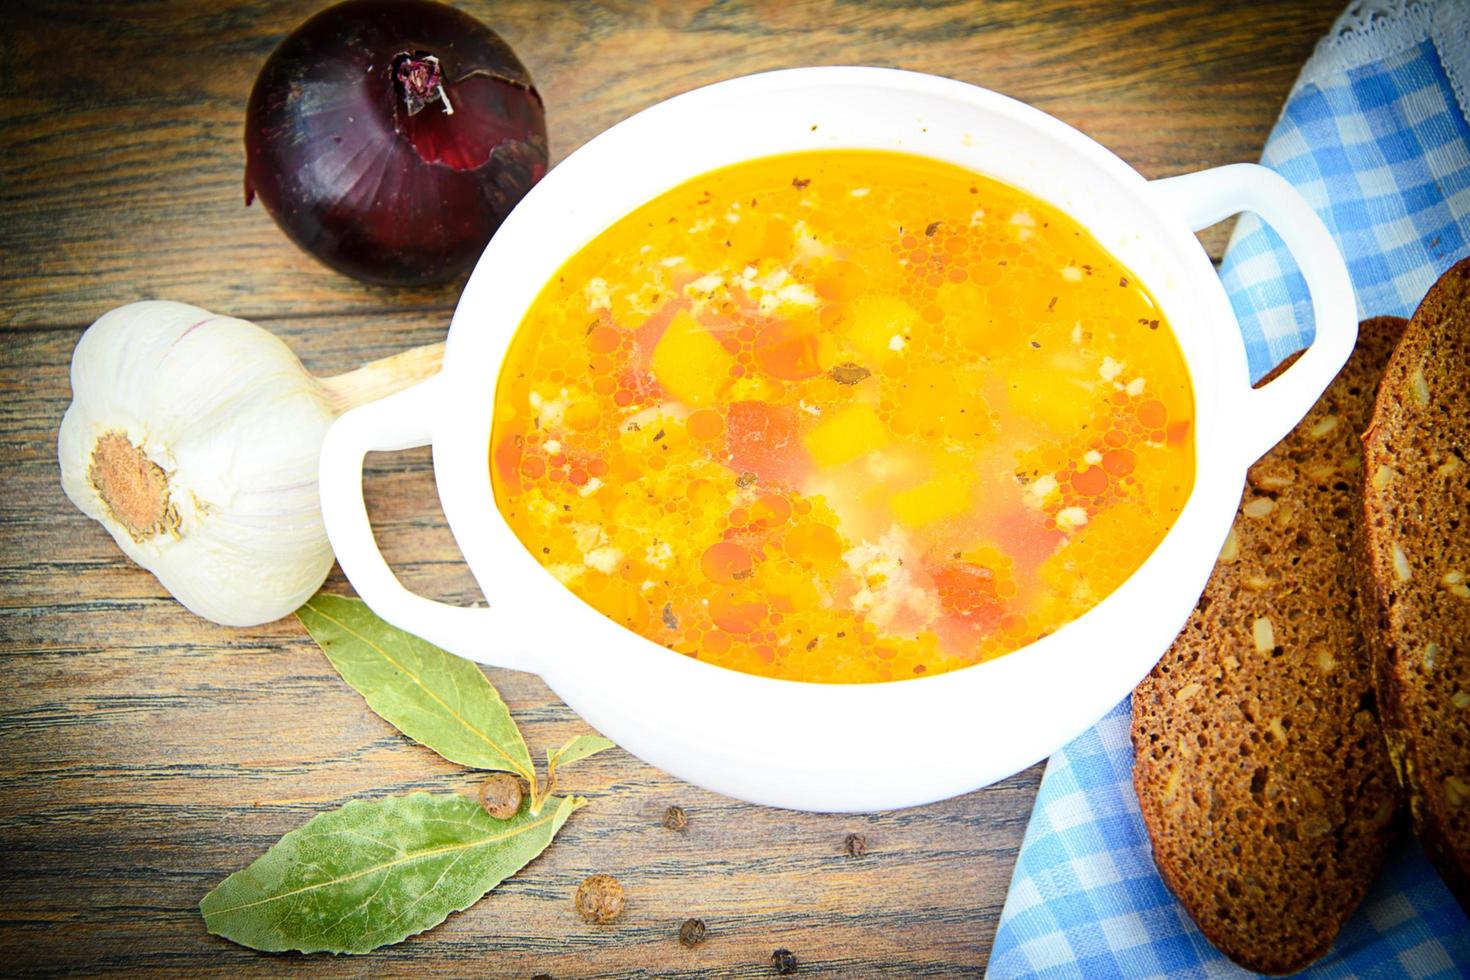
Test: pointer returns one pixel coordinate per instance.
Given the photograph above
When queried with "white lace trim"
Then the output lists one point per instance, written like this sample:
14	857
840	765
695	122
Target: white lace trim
1367	31
1372	30
1361	16
1451	33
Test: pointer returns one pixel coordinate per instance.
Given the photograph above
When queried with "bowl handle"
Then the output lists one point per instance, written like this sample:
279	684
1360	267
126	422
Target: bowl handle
400	421
1261	417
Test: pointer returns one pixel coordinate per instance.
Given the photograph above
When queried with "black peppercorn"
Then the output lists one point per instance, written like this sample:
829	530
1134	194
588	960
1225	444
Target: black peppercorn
783	961
691	933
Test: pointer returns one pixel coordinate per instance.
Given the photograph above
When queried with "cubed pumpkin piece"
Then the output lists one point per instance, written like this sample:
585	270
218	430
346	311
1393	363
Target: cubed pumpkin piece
850	433
878	326
969	317
944	496
690	363
942	400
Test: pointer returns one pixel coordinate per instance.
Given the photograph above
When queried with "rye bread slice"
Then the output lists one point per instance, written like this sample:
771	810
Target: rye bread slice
1417	521
1259	763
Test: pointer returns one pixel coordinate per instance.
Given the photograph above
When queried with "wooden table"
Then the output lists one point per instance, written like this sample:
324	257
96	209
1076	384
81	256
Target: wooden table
145	754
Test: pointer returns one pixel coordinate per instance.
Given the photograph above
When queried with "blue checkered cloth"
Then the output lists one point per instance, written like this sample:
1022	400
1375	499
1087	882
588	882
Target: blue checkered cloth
1374	134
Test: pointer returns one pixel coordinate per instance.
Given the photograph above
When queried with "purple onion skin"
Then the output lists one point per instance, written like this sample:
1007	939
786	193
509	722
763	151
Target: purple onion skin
355	178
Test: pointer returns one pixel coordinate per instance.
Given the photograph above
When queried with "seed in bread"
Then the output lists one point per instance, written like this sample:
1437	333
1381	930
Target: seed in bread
1417	521
1259	764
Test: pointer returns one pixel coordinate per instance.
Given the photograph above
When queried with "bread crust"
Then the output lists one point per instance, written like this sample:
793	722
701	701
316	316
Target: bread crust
1416	514
1260	768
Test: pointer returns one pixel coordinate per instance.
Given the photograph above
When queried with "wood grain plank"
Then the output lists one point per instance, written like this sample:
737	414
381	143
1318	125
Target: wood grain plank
145	754
136	149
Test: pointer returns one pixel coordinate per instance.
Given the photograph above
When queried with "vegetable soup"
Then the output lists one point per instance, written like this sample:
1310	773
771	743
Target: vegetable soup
843	416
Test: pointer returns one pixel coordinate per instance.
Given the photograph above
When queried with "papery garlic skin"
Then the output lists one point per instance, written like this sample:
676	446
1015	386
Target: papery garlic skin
236	424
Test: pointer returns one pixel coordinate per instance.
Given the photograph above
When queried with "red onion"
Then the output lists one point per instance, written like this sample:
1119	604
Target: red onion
390	138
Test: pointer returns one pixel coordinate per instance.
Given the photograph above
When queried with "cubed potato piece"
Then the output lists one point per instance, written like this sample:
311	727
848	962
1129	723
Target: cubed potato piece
690	363
944	496
874	323
1046	395
850	433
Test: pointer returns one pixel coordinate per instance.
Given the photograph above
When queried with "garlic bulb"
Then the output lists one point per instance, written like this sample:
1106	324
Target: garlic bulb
194	439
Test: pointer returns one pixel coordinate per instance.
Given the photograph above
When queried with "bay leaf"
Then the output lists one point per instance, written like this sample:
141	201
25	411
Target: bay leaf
376	872
435	698
576	749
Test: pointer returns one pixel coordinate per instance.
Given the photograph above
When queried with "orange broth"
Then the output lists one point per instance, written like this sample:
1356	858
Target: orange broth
843	416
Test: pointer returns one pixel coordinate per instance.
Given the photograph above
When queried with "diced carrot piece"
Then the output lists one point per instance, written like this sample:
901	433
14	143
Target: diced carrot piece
507	455
790	357
734	616
968	591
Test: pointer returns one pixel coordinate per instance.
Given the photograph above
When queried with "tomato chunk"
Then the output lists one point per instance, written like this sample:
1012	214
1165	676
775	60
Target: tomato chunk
765	439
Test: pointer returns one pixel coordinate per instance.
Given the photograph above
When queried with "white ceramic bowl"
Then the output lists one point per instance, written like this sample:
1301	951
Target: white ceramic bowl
821	746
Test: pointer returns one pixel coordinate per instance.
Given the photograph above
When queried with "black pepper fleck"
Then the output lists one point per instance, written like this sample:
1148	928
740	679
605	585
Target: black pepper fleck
783	961
849	373
675	818
856	845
